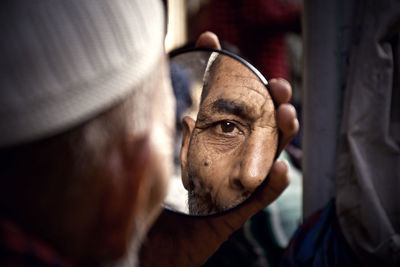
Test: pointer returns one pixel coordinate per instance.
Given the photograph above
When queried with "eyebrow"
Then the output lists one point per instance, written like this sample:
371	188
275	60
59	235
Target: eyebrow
229	106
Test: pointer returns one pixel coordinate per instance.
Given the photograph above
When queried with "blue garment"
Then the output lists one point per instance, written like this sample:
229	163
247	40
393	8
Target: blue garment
319	242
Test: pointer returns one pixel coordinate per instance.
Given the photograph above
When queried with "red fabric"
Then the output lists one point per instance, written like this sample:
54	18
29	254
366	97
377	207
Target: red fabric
18	248
257	28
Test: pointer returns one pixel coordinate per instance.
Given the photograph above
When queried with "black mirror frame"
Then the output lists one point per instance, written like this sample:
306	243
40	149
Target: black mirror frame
177	52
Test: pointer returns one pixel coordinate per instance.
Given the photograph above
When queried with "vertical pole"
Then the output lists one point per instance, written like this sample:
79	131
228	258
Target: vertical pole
321	103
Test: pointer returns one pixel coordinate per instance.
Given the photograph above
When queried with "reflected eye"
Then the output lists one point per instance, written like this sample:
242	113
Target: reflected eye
227	127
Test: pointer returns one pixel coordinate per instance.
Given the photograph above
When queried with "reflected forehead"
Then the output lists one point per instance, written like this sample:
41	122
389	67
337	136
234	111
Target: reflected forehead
234	89
229	106
229	72
246	108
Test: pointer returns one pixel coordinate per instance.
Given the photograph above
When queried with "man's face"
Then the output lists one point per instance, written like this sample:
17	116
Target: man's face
234	141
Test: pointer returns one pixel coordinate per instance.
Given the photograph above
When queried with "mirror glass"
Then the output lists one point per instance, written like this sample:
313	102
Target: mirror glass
226	132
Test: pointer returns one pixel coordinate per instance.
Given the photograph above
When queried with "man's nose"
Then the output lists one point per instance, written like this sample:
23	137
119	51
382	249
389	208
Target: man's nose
251	166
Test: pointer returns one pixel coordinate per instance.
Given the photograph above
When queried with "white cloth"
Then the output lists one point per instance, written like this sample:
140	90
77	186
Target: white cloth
65	61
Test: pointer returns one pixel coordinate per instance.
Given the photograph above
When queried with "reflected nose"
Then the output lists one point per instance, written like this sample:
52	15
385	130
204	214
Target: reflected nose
252	165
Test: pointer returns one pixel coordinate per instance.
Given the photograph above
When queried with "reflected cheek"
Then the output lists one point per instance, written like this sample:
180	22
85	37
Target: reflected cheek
209	171
213	157
219	146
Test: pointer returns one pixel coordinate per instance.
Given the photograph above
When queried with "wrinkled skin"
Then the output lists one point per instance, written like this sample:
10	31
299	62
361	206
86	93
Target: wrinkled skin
234	141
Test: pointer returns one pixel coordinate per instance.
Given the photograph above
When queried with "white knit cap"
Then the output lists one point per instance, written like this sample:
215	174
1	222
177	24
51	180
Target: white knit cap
65	61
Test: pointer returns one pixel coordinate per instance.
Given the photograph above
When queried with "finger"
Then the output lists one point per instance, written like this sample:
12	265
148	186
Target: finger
209	40
279	176
281	90
287	123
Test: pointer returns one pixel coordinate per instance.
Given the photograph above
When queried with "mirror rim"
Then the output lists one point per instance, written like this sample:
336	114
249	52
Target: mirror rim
264	81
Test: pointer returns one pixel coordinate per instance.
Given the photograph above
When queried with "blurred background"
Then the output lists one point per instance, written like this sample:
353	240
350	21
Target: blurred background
342	59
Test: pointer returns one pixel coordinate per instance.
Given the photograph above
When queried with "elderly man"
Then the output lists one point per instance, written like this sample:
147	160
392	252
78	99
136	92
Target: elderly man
86	115
230	148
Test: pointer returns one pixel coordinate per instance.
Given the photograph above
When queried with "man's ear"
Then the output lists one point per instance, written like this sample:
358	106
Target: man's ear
188	126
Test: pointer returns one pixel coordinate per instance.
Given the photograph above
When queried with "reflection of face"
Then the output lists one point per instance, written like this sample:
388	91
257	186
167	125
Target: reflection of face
234	141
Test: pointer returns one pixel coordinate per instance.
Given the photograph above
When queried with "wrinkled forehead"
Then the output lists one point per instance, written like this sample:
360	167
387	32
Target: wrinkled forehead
232	88
230	79
227	72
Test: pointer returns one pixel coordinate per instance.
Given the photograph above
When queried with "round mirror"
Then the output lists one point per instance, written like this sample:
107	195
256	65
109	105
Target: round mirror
227	134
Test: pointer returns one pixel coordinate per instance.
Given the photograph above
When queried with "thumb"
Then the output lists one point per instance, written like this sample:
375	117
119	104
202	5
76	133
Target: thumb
271	190
208	39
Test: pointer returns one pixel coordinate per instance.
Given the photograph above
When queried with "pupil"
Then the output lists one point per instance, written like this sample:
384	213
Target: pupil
227	127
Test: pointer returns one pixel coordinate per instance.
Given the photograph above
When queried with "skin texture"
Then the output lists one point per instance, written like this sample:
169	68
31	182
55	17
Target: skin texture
234	140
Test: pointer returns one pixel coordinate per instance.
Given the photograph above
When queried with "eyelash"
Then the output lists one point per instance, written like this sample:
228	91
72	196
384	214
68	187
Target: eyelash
235	124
